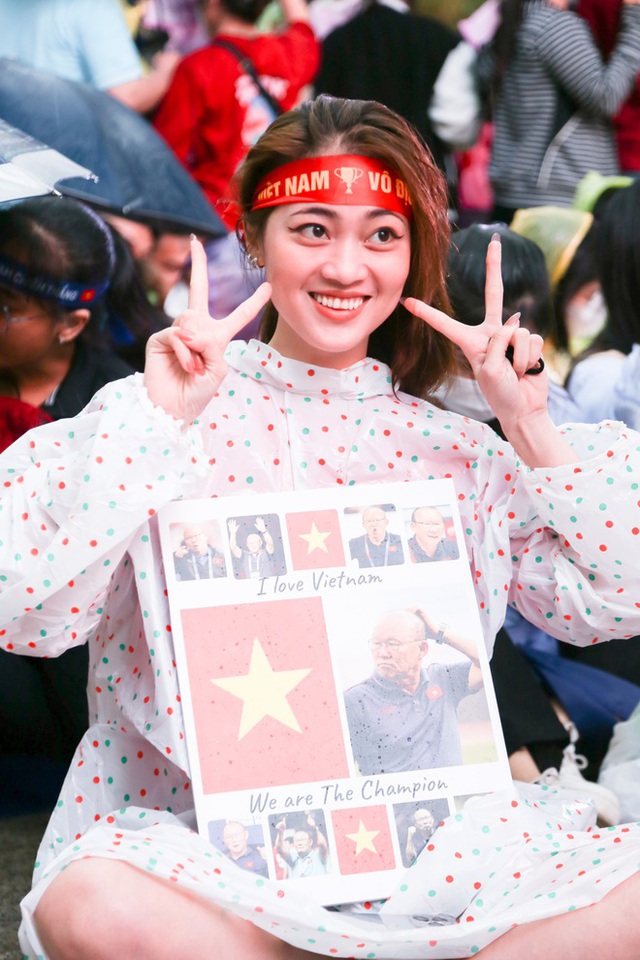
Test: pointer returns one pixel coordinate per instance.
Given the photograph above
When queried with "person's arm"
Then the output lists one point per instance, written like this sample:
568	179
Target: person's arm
144	94
279	846
455	110
321	840
295	11
267	539
410	850
441	632
233	539
570	54
84	496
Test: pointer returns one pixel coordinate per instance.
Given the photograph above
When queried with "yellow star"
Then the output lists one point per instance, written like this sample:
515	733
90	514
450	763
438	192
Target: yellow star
263	692
316	539
363	839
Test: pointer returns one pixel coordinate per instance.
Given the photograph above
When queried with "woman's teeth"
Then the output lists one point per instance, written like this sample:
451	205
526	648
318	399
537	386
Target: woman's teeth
335	303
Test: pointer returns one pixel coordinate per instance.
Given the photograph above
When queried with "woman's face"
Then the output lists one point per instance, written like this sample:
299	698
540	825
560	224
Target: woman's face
337	273
27	330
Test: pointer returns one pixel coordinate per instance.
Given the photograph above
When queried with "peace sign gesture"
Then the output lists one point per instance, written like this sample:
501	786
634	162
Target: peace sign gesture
503	358
184	364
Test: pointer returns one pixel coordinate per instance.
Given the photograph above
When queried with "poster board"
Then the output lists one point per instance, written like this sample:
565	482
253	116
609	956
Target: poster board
315	758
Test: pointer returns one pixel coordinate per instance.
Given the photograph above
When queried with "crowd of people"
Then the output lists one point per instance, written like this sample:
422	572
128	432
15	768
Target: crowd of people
118	392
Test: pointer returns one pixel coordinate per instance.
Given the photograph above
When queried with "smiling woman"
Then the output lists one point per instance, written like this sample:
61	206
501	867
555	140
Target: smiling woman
322	403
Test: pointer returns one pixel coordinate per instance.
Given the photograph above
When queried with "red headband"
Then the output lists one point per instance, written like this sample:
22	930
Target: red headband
359	181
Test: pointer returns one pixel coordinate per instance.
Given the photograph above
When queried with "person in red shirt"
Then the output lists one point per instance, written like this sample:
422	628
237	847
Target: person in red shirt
214	111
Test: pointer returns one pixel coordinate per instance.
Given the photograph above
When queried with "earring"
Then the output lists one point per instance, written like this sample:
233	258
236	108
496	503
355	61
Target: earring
254	262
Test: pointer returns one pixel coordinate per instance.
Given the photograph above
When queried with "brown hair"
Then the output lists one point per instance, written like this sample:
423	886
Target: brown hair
420	359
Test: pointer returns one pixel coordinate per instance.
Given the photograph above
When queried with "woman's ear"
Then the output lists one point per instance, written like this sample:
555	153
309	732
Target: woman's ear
72	325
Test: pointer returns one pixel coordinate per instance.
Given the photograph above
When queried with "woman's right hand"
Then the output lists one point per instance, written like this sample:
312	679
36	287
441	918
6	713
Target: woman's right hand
184	364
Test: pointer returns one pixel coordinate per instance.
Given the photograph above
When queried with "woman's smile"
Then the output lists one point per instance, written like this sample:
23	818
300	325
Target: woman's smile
337	273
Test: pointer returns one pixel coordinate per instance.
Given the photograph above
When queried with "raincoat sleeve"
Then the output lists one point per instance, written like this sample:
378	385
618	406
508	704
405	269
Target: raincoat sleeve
72	496
574	559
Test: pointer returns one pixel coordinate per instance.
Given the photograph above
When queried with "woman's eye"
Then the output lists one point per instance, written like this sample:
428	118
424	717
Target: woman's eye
313	231
384	235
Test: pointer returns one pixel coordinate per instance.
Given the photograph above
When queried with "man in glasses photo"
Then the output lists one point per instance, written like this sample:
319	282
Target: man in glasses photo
404	715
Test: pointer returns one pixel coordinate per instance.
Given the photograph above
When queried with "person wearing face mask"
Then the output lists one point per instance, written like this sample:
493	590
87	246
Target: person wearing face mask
567	237
611	359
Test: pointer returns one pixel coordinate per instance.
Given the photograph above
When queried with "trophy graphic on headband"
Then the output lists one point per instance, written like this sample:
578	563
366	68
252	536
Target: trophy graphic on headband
348	176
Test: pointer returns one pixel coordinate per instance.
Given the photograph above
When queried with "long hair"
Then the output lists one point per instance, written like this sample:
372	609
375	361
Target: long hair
495	56
420	359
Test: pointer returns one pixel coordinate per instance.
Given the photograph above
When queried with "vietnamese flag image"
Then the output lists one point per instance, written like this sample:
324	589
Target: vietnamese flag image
315	540
263	696
363	839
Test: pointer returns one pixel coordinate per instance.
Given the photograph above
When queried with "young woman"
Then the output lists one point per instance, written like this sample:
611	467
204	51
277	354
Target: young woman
353	259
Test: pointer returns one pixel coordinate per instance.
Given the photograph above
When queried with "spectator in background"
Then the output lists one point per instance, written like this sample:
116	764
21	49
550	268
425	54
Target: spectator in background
552	100
411	63
567	237
58	265
595	374
164	267
214	110
87	41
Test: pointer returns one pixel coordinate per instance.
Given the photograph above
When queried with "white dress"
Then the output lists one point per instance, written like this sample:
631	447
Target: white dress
80	561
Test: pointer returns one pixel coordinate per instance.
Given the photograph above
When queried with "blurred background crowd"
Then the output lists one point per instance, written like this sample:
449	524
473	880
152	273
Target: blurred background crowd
121	126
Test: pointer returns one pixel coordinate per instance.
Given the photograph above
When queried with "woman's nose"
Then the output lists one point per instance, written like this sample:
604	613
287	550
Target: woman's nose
345	262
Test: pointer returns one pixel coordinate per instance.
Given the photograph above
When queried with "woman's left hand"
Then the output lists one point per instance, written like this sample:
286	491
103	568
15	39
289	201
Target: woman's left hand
510	391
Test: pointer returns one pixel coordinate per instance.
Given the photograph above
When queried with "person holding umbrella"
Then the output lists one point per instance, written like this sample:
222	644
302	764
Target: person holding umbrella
354	252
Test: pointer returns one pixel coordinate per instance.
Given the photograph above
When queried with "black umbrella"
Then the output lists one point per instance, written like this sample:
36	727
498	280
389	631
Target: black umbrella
138	174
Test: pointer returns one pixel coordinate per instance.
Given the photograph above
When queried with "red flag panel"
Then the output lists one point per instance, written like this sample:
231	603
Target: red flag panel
315	539
363	839
264	700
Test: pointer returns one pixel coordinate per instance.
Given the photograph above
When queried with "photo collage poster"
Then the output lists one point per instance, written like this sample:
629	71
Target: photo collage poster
335	683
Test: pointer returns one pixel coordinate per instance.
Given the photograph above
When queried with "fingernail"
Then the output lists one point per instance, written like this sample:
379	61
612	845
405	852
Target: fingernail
402	300
495	236
192	237
186	334
513	320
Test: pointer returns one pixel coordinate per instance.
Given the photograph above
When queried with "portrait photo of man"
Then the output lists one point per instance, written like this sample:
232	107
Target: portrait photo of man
429	540
196	558
403	716
377	546
234	841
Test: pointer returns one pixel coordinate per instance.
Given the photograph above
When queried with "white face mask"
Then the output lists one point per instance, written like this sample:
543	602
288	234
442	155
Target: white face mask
464	396
585	318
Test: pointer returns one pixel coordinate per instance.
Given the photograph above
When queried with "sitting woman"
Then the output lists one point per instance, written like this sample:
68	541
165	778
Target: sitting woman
357	336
